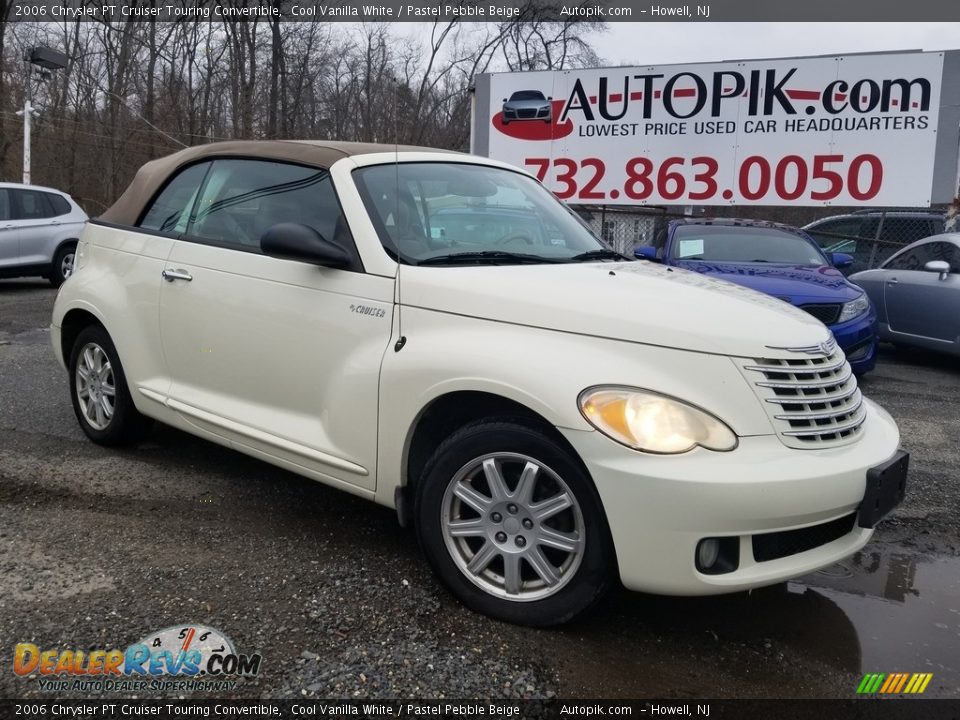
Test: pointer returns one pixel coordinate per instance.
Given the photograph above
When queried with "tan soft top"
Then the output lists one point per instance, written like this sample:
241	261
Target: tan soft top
316	153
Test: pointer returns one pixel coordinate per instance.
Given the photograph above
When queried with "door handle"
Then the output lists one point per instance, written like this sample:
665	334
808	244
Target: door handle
171	275
892	281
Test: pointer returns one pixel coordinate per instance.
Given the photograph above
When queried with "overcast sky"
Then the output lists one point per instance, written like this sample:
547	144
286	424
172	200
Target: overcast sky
658	43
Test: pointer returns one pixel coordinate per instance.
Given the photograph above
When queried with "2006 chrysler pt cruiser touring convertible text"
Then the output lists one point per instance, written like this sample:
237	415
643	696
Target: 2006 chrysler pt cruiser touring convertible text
436	332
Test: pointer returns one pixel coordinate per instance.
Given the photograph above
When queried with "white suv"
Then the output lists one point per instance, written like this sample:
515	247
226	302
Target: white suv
39	228
437	333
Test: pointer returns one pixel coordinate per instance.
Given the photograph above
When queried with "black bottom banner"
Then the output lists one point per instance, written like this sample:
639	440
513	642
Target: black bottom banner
549	709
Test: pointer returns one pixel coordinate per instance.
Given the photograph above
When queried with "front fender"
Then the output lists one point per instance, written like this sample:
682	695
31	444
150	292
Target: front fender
543	370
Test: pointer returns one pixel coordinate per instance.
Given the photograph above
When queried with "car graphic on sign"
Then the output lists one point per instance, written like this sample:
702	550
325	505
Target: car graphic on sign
527	105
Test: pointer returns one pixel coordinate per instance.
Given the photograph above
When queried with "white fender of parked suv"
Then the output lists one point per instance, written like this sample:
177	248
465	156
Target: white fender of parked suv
439	334
39	229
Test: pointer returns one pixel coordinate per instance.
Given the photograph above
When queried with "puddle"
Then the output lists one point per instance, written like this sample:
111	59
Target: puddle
903	609
880	611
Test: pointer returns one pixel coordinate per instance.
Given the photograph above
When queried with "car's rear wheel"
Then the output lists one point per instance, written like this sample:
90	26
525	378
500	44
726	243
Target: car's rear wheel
513	525
98	390
63	264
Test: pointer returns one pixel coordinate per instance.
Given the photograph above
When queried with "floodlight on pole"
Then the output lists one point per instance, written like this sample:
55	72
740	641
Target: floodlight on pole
46	59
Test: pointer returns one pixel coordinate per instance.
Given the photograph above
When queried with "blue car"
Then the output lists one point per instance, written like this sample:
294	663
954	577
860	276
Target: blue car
778	260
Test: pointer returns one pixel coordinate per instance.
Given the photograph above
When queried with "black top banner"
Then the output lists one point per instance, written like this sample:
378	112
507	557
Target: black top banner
553	709
866	11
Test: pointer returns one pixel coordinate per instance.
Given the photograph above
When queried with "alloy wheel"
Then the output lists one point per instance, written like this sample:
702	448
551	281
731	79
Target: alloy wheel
513	526
96	386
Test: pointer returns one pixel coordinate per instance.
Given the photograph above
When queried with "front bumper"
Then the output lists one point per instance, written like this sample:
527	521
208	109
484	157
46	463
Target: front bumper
659	507
858	338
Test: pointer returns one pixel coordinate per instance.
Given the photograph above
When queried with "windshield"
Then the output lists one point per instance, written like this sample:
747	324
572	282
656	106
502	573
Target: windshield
744	244
425	211
527	95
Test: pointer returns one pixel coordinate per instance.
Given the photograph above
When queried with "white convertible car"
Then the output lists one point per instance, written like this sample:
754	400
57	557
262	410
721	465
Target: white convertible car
439	334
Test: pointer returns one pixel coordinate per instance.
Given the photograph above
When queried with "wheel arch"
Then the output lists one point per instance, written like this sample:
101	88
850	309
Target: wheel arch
72	325
446	414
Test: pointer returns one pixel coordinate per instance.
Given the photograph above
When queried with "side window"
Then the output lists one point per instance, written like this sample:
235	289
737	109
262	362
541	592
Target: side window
913	259
5	204
948	252
660	242
241	199
168	213
904	230
835	235
58	203
30	205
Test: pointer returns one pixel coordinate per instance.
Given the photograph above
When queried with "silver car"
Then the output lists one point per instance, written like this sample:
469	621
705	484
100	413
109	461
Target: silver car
527	105
917	294
39	228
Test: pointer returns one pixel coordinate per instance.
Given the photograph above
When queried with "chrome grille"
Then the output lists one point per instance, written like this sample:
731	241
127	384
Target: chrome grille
812	402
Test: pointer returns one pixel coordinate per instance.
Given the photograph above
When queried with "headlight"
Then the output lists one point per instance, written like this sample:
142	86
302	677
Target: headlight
653	423
854	308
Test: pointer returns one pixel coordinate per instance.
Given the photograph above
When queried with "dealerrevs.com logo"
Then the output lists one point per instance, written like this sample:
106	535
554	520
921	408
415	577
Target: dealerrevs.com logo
186	657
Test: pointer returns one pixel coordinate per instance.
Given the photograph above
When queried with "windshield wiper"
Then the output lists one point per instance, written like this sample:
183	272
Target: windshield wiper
601	254
484	256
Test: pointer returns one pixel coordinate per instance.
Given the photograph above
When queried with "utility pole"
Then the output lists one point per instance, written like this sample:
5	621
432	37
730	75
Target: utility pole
46	60
27	117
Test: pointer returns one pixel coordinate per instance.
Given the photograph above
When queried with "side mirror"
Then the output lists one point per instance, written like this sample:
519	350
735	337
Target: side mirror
645	252
841	260
549	98
938	266
293	241
505	100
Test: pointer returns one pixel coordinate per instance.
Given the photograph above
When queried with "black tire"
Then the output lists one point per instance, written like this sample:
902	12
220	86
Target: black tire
125	425
57	272
584	586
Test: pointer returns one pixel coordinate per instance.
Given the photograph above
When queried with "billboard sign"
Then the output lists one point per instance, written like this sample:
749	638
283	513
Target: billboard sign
851	130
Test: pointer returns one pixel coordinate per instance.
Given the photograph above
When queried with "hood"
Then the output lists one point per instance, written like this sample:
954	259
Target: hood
632	301
798	284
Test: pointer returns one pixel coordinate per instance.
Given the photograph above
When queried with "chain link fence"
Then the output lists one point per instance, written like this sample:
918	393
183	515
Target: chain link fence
870	236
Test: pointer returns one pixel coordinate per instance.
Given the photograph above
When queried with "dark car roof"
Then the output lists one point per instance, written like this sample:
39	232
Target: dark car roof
315	153
739	222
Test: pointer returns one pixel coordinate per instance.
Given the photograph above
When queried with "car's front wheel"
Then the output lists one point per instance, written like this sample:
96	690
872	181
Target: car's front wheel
98	389
513	525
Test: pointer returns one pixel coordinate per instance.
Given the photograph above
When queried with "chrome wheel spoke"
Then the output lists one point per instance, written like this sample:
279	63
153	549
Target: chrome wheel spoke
550	507
542	566
471	497
568	542
498	486
108	390
88	360
107	407
100	415
511	574
467	528
484	557
528	478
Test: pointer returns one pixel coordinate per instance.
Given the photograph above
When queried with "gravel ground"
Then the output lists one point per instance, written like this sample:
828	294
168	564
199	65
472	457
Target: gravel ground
99	547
